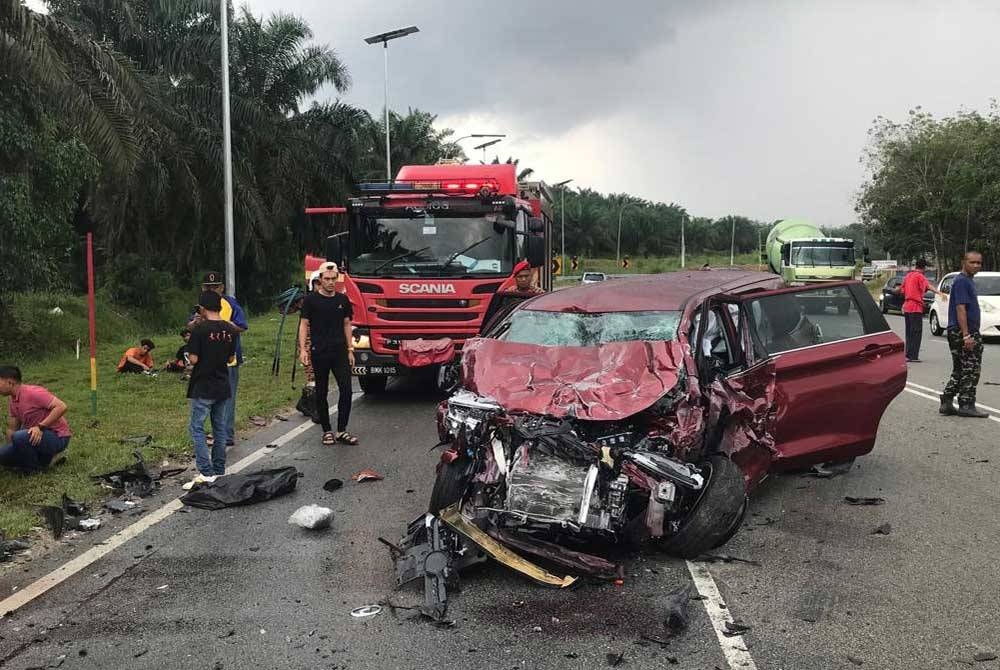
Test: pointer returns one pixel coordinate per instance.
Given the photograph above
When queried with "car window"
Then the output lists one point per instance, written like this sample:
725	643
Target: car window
575	329
946	284
795	320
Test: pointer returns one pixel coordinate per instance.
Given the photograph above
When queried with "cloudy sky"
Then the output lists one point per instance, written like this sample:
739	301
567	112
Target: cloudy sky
757	108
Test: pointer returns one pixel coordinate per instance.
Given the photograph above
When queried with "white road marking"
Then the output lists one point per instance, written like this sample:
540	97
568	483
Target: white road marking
67	570
733	648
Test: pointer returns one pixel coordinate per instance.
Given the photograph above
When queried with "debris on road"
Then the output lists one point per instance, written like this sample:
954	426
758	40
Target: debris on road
366	476
258	421
312	517
883	529
830	470
677	602
851	500
366	611
235	490
984	656
135	480
735	628
855	660
10	547
84	524
332	485
614	660
117	506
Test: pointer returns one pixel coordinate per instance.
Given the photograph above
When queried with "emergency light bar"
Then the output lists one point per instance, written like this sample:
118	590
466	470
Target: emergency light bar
455	186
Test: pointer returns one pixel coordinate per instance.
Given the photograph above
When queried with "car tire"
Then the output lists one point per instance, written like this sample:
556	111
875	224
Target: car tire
936	328
716	515
885	307
373	384
449	485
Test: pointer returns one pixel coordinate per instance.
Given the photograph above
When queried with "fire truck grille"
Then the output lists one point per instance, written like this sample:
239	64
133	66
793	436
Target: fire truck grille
437	303
428	316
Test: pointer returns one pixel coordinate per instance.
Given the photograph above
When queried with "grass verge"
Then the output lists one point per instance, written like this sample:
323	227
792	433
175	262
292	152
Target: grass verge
655	264
133	405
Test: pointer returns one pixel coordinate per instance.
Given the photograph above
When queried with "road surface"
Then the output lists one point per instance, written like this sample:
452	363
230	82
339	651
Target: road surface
241	588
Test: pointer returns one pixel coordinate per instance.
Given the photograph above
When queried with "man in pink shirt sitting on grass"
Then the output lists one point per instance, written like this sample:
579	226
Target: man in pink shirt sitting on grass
37	430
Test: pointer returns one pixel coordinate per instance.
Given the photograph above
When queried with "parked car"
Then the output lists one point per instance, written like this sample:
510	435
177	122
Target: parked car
889	300
647	409
593	277
988	287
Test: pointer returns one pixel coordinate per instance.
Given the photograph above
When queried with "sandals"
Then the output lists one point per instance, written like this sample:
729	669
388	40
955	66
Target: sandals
347	438
330	439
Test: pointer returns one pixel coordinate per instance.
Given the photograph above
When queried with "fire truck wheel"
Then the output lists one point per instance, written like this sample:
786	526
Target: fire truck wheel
372	384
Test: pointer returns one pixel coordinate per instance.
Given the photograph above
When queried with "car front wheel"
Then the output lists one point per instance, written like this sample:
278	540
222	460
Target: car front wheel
716	515
936	328
885	307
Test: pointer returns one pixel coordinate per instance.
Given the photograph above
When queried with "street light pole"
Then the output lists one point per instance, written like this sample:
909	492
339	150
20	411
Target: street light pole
487	144
227	154
562	211
732	243
683	264
618	246
384	38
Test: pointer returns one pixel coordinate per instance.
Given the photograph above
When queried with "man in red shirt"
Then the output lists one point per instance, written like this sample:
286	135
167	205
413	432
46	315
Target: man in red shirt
914	286
37	428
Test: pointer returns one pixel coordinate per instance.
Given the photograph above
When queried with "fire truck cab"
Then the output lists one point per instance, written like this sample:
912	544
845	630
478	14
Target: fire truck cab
422	257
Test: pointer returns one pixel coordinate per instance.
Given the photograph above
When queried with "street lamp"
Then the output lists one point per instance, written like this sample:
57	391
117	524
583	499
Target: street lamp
465	137
618	247
562	210
487	144
227	154
384	38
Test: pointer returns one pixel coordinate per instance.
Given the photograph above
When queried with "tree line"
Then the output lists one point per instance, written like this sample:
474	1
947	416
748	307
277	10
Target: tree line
933	186
111	122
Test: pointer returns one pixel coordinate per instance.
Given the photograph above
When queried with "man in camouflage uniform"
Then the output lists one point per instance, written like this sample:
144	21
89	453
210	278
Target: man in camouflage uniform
965	341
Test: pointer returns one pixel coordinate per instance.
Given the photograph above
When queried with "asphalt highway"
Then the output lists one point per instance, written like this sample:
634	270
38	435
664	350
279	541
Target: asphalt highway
240	587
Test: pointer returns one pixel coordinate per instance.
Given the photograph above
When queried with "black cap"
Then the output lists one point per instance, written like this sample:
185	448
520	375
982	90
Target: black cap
211	301
213	277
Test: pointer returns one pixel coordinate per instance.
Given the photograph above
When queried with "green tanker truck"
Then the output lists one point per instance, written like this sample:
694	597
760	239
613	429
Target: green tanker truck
799	251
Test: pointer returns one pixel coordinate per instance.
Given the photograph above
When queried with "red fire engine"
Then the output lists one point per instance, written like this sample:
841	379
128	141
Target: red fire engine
423	256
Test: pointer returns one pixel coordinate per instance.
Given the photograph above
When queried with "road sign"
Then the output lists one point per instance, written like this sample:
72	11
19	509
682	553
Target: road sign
574	263
625	262
556	266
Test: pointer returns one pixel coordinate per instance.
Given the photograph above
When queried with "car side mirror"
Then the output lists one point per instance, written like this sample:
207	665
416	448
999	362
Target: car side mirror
536	251
335	249
536	225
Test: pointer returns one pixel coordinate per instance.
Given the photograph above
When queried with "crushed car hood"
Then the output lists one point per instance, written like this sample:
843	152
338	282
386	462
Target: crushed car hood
603	383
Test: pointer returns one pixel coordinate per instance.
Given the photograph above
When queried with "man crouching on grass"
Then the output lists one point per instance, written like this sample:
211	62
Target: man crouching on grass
37	428
210	348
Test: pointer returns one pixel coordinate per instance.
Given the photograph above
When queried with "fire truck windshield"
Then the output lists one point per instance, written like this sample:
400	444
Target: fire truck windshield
431	244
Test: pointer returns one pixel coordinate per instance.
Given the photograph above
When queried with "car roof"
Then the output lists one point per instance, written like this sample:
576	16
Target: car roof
666	291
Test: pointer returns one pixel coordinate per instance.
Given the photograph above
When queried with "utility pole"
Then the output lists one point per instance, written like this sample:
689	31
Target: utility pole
732	243
683	264
227	154
562	211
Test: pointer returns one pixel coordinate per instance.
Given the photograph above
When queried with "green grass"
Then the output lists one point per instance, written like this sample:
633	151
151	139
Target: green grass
129	405
652	265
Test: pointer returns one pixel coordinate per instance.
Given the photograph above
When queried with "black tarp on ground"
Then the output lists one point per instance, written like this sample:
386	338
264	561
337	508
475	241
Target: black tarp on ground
233	490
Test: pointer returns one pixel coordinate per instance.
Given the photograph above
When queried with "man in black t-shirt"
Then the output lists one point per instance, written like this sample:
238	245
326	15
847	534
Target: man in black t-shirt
325	342
209	349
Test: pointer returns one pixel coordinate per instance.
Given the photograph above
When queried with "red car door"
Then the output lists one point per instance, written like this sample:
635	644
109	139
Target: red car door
837	367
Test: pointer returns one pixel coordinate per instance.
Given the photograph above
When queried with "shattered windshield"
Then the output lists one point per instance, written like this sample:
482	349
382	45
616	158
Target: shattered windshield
430	244
825	255
573	329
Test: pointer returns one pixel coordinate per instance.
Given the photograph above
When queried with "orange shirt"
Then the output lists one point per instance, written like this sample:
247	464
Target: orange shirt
139	354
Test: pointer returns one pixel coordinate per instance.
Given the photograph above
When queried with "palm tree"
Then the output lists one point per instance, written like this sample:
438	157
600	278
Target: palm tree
91	88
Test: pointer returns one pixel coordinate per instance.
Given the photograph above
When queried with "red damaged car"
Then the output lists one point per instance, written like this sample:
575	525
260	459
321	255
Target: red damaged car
649	407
